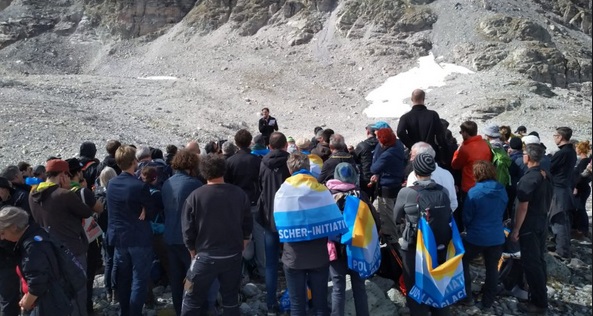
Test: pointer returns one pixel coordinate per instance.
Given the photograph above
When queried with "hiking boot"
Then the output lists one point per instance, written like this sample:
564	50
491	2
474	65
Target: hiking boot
467	302
532	309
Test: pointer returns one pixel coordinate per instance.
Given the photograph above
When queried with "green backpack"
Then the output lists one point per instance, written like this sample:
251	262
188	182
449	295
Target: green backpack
502	162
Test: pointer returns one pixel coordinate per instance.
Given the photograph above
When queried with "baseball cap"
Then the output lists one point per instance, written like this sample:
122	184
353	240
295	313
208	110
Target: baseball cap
521	129
57	165
379	125
530	139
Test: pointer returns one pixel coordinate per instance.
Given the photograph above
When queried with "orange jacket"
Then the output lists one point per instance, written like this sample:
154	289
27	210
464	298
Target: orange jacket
471	150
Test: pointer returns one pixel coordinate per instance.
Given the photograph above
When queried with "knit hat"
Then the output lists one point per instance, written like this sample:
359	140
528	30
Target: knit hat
423	164
346	173
530	139
492	131
289	139
88	149
516	143
57	165
386	137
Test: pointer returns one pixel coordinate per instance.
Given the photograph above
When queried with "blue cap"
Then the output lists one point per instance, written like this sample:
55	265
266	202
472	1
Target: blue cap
380	124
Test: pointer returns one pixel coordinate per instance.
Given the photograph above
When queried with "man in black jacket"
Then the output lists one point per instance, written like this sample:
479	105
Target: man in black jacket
267	125
20	193
339	154
243	171
272	173
562	167
90	164
423	125
363	155
109	160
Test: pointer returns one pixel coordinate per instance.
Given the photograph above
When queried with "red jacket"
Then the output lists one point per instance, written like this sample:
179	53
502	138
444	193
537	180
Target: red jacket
471	150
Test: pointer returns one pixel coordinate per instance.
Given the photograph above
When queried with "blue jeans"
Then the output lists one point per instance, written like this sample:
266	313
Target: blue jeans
201	277
297	281
272	248
338	270
109	274
133	266
179	263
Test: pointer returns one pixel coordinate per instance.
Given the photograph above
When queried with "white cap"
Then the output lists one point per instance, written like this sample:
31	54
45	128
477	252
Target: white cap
530	139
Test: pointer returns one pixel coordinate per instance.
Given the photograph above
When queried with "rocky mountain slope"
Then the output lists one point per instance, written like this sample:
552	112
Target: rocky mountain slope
71	67
162	72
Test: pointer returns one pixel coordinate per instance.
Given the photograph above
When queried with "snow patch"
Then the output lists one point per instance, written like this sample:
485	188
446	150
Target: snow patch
158	78
389	100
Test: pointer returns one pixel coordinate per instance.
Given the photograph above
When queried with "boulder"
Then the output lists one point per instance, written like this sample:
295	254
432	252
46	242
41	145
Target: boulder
557	269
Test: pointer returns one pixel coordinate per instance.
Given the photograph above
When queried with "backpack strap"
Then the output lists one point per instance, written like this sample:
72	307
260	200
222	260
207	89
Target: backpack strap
88	164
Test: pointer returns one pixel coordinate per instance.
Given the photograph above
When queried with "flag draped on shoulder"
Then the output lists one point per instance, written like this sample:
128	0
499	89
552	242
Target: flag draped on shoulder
305	210
438	285
316	164
362	239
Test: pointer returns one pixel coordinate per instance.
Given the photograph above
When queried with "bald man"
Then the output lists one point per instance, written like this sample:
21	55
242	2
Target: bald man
423	125
193	147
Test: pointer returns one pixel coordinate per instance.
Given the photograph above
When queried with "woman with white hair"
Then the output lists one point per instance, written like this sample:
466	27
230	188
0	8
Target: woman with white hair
38	264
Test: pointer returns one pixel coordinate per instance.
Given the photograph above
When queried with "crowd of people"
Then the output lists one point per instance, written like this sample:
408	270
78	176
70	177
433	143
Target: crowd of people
204	221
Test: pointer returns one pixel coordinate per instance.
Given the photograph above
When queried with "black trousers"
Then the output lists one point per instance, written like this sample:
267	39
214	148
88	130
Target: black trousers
491	257
533	248
93	259
416	309
9	292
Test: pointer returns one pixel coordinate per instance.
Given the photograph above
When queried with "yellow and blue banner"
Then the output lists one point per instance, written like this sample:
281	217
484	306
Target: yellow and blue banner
438	285
316	164
362	239
304	209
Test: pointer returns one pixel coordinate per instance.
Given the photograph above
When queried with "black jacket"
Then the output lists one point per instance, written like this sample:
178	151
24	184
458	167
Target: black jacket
242	169
267	127
108	161
20	197
322	150
562	168
363	154
39	267
423	125
272	173
329	166
89	170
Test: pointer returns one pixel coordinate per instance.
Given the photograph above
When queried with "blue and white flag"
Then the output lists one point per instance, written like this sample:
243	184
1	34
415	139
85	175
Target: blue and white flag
305	210
362	239
438	285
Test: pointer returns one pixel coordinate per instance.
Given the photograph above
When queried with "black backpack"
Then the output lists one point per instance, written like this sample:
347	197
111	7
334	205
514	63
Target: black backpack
72	273
434	205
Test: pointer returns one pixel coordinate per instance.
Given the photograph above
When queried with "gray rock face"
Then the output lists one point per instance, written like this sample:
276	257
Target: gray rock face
506	29
130	19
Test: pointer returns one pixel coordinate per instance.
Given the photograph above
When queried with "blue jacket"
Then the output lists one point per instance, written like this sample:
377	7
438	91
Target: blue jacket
482	213
174	192
126	197
389	164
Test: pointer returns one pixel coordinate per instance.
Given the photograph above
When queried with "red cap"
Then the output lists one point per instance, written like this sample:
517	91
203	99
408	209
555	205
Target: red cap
57	165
